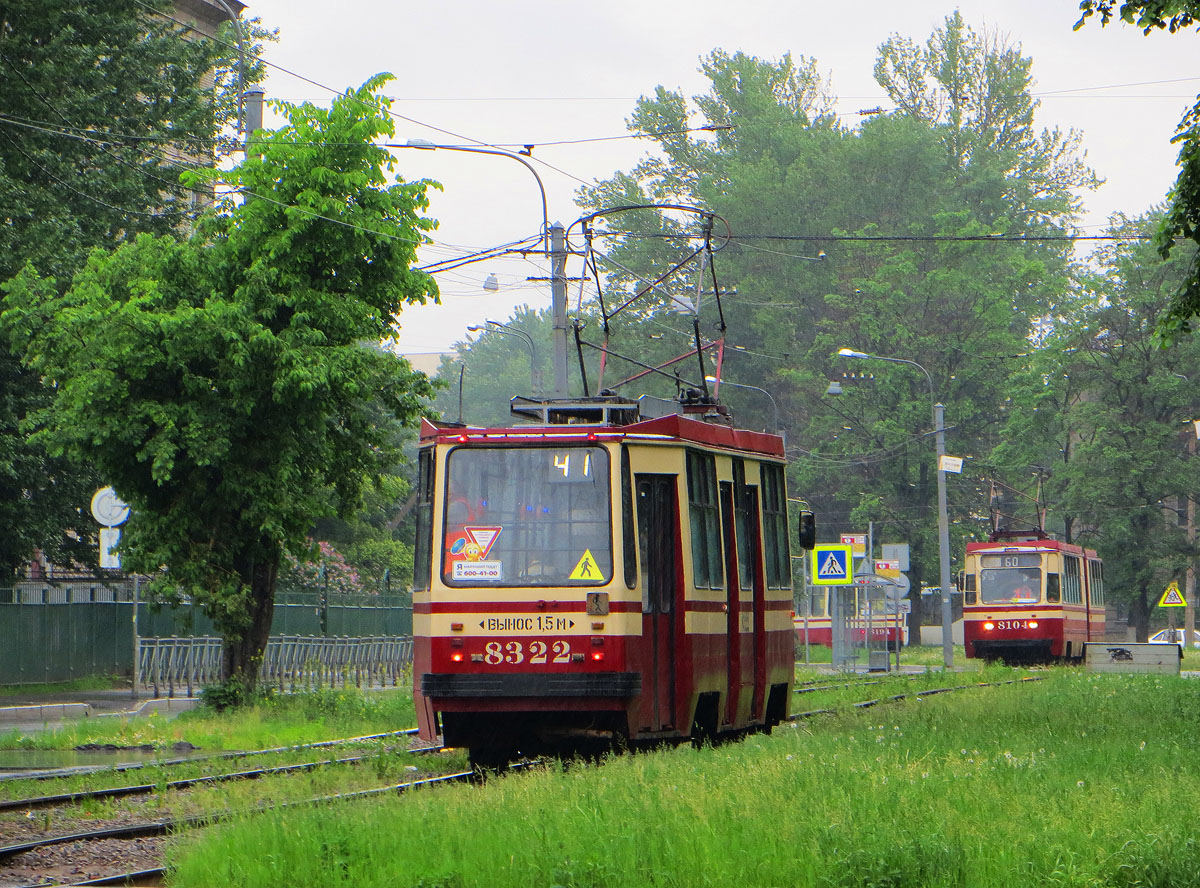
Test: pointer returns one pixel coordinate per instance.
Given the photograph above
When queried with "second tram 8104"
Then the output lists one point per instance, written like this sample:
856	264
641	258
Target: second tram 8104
1027	598
599	578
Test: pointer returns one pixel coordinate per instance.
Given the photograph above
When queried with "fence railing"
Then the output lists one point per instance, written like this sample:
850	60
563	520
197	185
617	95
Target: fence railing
171	666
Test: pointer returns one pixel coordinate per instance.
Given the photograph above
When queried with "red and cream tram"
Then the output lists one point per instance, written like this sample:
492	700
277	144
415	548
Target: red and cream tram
866	618
1027	598
600	578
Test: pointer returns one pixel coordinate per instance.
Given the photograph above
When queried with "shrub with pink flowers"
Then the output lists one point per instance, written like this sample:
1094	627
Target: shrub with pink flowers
328	569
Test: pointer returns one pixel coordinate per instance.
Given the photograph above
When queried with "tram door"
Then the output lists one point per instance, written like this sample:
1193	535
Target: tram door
738	661
751	551
658	518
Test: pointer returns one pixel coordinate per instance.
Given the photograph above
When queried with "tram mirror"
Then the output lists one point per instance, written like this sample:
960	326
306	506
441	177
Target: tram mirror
806	530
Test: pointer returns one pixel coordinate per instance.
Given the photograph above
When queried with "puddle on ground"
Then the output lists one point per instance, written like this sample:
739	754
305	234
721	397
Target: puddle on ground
15	762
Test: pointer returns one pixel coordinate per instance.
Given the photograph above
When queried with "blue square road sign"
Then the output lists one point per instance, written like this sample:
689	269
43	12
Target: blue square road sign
831	565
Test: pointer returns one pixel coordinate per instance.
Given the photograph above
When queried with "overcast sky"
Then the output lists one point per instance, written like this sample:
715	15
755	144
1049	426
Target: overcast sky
534	72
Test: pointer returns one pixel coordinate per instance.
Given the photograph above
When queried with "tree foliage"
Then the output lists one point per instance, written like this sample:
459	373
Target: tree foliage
1182	220
101	104
230	385
1107	414
921	216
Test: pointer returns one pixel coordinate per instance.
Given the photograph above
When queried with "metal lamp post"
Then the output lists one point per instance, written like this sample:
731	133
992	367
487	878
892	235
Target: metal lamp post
742	385
509	330
553	245
943	521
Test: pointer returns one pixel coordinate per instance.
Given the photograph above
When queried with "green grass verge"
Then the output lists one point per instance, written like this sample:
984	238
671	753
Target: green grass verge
280	720
1078	780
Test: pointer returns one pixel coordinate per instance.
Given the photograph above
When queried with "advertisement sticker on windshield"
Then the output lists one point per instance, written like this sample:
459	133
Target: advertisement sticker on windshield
475	544
478	570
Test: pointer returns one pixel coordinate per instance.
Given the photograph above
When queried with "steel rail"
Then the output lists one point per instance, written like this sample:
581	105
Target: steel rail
78	770
896	698
161	827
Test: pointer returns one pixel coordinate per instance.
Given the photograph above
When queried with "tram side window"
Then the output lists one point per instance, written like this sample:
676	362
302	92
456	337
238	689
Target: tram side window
705	513
968	586
818	602
1053	588
775	528
1072	594
423	551
1096	582
628	531
741	519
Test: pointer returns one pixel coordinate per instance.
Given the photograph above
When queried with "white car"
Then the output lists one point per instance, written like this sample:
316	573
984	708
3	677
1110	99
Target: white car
1175	636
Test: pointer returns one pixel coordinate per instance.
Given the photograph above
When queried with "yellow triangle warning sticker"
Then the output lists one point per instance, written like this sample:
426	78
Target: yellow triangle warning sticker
586	569
1172	597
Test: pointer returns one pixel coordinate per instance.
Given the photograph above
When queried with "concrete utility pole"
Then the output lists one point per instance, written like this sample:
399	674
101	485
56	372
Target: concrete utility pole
558	301
1189	582
939	426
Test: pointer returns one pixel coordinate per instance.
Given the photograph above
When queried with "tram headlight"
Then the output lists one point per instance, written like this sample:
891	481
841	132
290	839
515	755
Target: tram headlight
1033	624
988	627
457	656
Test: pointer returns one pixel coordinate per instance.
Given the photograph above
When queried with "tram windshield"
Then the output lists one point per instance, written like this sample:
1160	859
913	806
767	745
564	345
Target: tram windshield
1010	584
530	516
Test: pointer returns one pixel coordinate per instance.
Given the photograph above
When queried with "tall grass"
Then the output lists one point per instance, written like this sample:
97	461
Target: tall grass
1078	780
279	720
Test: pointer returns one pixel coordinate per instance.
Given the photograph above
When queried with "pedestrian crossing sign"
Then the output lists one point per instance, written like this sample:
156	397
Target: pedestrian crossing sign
831	565
1172	597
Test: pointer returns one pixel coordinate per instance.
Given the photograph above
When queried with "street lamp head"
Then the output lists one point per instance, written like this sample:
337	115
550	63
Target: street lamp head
493	323
835	388
851	353
475	328
491	283
420	143
710	379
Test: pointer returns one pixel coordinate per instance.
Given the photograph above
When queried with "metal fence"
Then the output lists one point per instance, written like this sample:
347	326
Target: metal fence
63	629
171	666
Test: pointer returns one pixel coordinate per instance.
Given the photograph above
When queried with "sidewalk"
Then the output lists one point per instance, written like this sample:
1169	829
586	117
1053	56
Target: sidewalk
35	712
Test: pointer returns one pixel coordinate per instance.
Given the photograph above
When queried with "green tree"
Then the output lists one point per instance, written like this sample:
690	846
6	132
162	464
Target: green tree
101	104
1182	219
229	385
495	368
928	220
1107	412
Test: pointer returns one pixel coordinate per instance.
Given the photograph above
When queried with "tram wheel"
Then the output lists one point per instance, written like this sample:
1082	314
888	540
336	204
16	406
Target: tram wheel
490	758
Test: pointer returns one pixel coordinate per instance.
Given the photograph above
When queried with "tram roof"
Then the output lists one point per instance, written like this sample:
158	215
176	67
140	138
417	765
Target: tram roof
1030	544
663	429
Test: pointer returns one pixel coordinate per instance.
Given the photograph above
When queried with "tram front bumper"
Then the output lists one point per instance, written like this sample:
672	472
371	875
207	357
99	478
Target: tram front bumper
607	684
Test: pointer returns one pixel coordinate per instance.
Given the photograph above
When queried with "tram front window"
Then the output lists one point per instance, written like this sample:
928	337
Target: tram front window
1010	585
1012	577
527	517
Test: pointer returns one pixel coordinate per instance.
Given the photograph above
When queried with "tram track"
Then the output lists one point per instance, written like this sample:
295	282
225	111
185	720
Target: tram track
897	698
157	829
48	839
82	770
154	831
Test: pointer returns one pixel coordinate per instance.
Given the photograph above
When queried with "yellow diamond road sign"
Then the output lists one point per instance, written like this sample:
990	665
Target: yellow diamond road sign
1172	597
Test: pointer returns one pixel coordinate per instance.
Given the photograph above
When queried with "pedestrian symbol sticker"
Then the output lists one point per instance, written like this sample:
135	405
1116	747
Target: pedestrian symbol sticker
1172	597
831	565
587	569
832	568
